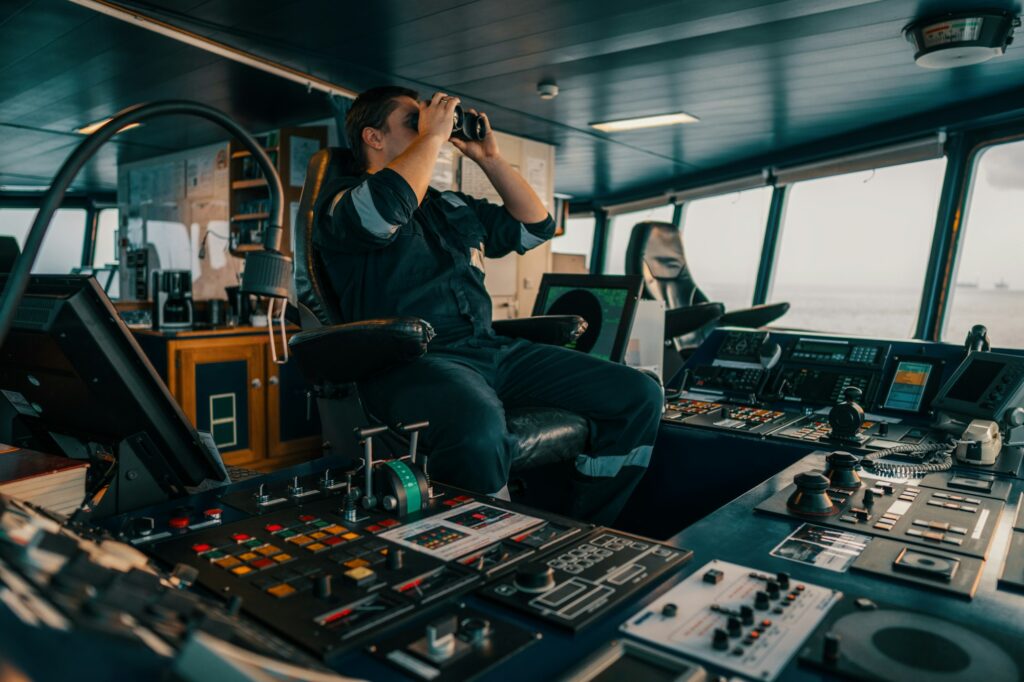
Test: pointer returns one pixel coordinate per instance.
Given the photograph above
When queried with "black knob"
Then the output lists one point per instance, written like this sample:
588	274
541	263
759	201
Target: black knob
669	610
535	577
322	586
476	630
883	429
783	579
840	470
720	640
852	394
761	600
396	558
831	647
869	497
811	497
747	615
735	627
773	589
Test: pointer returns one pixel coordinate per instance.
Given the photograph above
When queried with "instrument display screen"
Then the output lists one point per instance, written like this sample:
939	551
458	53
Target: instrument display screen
908	386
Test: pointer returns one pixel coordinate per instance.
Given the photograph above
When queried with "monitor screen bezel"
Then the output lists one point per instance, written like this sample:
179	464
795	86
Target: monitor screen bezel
964	408
632	284
931	385
190	463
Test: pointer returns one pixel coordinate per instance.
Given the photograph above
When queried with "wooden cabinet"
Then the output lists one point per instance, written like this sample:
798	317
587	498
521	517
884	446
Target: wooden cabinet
228	385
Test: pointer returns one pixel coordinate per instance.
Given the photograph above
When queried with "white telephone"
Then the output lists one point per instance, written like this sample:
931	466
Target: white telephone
980	443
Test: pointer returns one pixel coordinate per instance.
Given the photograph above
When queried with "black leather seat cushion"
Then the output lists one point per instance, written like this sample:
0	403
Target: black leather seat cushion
546	435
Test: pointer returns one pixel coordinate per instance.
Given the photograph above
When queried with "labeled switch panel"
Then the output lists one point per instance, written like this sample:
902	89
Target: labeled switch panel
737	618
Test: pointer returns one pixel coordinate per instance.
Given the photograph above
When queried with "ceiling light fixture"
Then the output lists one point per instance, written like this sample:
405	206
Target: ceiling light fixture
645	122
93	127
960	38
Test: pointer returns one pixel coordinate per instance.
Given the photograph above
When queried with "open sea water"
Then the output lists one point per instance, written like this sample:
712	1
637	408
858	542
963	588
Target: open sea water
890	313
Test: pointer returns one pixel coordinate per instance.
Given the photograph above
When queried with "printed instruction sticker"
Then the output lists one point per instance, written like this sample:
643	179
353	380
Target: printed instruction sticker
833	550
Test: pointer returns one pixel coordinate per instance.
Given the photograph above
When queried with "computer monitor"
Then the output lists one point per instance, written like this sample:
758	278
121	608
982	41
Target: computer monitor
607	302
74	374
985	386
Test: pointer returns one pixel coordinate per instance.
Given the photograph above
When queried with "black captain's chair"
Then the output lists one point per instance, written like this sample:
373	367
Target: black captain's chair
656	251
335	353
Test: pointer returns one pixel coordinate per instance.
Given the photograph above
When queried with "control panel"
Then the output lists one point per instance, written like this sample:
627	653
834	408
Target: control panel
572	586
737	618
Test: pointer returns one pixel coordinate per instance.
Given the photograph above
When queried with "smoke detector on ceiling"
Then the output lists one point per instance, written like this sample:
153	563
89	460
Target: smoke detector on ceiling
960	38
547	89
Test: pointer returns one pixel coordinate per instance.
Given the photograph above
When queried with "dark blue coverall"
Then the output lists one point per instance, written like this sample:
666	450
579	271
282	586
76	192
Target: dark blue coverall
385	256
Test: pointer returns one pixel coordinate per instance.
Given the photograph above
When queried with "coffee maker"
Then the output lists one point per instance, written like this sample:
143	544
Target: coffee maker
172	299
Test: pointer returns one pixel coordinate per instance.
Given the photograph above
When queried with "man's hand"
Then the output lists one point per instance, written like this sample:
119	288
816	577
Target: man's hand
482	150
437	116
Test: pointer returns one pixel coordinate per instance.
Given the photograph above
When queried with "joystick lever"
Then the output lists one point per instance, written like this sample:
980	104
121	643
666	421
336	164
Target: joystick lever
847	418
414	437
366	440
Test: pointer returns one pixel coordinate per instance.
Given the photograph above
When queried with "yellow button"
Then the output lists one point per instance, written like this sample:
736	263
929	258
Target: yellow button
350	536
357	563
228	562
241	570
335	529
281	590
281	558
300	540
248	556
268	550
360	573
316	547
319	535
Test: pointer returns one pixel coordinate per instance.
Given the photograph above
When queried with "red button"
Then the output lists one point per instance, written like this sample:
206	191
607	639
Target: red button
240	537
262	563
306	518
213	513
388	523
374	528
201	547
273	527
178	522
766	623
331	541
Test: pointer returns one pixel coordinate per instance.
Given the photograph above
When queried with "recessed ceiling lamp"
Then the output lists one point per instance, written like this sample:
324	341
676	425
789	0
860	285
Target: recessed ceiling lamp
645	122
960	38
93	127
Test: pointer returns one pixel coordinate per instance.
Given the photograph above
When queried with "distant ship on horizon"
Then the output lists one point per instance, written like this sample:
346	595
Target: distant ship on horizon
967	285
1001	284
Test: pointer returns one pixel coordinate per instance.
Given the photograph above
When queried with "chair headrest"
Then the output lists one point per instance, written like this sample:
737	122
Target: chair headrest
659	246
327	168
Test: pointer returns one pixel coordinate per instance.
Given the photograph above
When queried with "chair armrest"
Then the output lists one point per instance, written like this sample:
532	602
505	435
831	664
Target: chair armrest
682	321
755	316
343	353
555	330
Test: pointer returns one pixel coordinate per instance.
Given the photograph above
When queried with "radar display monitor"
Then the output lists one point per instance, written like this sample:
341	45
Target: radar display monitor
75	374
909	383
985	386
607	302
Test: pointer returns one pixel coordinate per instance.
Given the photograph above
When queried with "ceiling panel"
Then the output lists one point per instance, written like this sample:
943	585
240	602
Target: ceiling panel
764	76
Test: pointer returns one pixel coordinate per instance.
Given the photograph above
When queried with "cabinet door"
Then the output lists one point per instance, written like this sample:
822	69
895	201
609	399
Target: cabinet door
222	391
293	423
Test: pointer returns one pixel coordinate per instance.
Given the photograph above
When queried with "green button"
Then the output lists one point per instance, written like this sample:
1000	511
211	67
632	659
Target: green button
321	524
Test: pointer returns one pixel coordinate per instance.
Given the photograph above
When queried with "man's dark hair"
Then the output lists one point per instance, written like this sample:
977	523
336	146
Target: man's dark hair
371	110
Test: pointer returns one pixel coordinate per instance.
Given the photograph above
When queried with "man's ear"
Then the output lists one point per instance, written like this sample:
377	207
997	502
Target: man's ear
372	137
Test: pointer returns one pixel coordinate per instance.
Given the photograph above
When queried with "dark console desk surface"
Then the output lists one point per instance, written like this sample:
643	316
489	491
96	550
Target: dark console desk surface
738	534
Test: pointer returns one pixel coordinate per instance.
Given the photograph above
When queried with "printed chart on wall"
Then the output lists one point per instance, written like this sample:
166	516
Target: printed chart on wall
460	531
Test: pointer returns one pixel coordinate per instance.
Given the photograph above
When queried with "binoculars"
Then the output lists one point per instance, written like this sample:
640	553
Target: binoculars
465	126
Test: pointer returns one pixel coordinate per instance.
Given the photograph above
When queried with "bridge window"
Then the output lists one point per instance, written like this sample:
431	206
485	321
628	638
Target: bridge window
578	240
989	284
621	226
723	237
62	245
105	252
854	249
